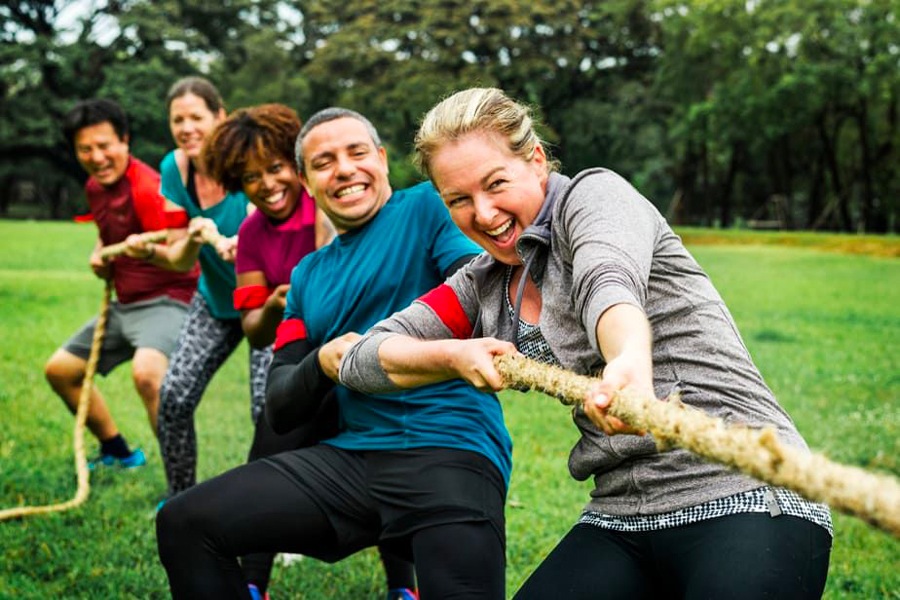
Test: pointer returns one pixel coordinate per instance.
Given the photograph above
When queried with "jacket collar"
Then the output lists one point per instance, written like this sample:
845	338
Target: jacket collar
539	230
534	244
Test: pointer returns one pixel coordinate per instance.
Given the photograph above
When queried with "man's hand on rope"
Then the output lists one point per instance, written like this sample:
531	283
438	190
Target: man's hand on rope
100	265
618	374
138	246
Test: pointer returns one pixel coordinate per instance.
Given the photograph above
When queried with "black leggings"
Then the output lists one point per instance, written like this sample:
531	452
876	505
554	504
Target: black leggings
258	567
745	556
201	531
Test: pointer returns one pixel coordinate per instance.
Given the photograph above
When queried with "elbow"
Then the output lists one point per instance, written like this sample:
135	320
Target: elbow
258	340
277	413
276	419
182	266
361	368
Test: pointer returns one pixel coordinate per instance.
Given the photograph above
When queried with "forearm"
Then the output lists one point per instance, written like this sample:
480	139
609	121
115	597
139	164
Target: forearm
295	388
409	362
179	255
624	336
260	326
385	362
363	369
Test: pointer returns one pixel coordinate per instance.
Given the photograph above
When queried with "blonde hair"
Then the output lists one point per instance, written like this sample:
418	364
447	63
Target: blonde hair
477	110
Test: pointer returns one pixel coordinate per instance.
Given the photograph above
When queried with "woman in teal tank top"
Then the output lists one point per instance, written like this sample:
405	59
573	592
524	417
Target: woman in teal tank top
212	329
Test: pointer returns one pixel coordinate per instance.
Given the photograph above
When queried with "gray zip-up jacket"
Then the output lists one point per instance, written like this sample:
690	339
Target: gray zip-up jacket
595	243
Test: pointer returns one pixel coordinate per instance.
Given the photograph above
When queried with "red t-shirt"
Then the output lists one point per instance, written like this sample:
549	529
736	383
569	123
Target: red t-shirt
134	205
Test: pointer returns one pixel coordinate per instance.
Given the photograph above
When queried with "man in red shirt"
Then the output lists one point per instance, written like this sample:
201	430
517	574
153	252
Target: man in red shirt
151	302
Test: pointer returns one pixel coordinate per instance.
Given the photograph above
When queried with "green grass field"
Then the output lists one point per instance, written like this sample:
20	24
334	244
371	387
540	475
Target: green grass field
822	326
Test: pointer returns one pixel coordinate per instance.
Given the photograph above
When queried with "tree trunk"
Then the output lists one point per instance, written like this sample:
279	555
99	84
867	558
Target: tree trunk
840	218
7	184
814	205
727	187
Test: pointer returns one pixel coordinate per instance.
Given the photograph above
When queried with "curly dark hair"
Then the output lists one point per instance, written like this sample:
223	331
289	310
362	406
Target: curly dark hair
259	132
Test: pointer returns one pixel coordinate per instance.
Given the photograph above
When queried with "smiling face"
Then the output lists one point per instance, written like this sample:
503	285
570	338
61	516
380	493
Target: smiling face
345	172
190	121
272	186
492	194
102	153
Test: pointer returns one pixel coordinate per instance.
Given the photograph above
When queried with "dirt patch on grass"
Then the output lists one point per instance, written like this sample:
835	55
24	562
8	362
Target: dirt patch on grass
871	245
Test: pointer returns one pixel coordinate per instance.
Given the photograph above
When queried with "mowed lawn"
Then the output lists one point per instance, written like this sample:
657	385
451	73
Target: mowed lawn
822	325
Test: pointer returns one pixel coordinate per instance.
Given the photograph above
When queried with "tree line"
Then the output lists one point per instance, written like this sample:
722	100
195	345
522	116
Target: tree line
761	113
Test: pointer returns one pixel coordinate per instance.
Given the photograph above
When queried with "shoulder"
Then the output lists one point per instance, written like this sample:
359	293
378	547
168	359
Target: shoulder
423	204
596	180
478	272
169	165
252	225
140	174
305	270
600	181
421	194
238	198
171	179
91	187
593	188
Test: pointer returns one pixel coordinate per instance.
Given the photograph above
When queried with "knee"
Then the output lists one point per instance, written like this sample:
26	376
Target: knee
174	406
166	519
147	382
178	524
52	372
62	371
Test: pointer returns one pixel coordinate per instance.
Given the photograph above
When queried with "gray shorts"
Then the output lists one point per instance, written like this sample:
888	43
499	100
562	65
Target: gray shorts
151	323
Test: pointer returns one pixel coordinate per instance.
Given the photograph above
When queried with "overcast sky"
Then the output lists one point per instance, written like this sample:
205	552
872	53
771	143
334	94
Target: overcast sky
68	21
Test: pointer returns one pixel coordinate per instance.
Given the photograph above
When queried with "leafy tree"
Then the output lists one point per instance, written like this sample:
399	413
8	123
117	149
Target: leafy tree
721	112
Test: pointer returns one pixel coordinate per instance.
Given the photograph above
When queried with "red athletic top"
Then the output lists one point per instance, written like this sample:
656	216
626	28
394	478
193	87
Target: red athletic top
134	205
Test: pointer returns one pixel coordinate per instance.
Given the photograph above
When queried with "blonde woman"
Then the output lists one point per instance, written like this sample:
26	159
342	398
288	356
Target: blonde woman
585	273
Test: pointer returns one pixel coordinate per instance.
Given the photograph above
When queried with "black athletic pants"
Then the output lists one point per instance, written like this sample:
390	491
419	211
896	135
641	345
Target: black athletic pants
444	508
738	557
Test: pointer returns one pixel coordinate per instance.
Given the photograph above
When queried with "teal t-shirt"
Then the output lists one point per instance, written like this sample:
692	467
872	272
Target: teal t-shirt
217	278
367	274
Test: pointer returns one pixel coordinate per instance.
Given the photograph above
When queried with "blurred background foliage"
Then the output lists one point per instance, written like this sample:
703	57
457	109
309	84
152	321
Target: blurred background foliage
777	114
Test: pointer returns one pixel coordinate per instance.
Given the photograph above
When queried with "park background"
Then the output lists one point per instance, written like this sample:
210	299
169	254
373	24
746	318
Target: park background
725	113
730	116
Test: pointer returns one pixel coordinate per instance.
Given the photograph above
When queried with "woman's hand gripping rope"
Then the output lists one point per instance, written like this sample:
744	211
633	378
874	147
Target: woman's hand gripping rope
756	452
204	231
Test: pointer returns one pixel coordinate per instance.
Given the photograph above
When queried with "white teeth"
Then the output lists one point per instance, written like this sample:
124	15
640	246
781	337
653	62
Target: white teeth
499	230
353	189
274	198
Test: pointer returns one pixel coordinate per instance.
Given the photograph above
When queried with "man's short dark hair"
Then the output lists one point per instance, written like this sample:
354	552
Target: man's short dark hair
323	116
93	112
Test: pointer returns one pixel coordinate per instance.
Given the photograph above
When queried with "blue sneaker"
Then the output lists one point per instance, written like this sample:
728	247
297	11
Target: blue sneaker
132	461
402	594
254	593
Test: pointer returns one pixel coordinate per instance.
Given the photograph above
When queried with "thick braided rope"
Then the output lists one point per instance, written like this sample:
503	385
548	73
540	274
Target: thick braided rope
116	249
209	234
757	452
84	401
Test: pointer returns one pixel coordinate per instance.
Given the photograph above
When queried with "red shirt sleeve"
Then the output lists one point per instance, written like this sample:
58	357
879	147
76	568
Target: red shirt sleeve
443	301
249	297
149	204
289	331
